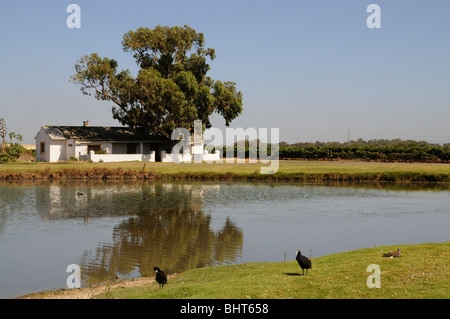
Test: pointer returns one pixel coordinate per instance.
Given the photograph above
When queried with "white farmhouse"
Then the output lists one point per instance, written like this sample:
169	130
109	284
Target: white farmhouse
96	143
110	144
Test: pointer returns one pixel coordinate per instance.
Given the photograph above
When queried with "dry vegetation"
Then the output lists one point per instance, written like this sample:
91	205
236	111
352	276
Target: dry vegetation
289	171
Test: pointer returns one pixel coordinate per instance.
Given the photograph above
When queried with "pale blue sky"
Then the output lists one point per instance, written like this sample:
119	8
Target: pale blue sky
311	68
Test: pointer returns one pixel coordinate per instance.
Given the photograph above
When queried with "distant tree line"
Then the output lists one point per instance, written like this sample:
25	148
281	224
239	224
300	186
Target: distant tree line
382	150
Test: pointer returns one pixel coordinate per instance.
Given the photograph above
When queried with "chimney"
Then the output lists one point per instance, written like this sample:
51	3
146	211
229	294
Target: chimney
86	123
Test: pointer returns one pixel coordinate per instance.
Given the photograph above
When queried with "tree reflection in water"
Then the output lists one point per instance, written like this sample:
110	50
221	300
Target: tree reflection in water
168	229
163	224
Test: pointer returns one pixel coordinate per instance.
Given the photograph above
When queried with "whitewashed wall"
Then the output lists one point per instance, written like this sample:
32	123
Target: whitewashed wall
42	136
108	158
213	157
189	158
80	150
57	151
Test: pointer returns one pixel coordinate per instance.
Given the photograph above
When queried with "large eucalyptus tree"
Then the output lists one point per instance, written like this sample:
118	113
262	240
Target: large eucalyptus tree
171	88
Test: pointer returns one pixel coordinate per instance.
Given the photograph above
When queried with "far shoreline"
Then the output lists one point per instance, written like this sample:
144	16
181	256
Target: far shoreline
288	171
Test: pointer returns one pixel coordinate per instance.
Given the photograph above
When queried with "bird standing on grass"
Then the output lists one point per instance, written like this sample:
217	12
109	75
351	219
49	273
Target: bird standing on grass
303	262
393	254
161	277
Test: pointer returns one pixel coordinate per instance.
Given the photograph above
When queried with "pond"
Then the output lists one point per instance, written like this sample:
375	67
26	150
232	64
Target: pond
122	230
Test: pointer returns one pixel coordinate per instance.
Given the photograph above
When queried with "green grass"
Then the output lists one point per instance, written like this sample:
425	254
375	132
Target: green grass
344	167
422	273
288	170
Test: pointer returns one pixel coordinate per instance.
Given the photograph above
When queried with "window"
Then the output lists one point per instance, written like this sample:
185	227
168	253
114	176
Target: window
95	148
42	149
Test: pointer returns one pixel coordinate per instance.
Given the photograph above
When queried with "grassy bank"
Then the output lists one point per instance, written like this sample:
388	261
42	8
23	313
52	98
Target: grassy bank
295	171
422	273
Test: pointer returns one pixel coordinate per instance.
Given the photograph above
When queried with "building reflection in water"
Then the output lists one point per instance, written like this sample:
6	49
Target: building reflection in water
163	225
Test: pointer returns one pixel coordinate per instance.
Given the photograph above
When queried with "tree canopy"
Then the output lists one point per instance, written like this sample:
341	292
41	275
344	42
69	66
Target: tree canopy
171	88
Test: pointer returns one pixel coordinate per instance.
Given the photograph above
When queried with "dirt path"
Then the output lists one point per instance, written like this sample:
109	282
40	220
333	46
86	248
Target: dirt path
89	293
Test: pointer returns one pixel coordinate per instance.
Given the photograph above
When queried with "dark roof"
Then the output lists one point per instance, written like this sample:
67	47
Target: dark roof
97	133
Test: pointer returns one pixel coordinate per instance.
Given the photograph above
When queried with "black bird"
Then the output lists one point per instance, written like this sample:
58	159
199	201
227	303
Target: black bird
161	277
303	262
80	194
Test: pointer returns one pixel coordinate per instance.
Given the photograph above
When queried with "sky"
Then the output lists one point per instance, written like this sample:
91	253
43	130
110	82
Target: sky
313	69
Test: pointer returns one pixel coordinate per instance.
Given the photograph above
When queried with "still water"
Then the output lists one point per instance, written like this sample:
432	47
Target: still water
122	230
